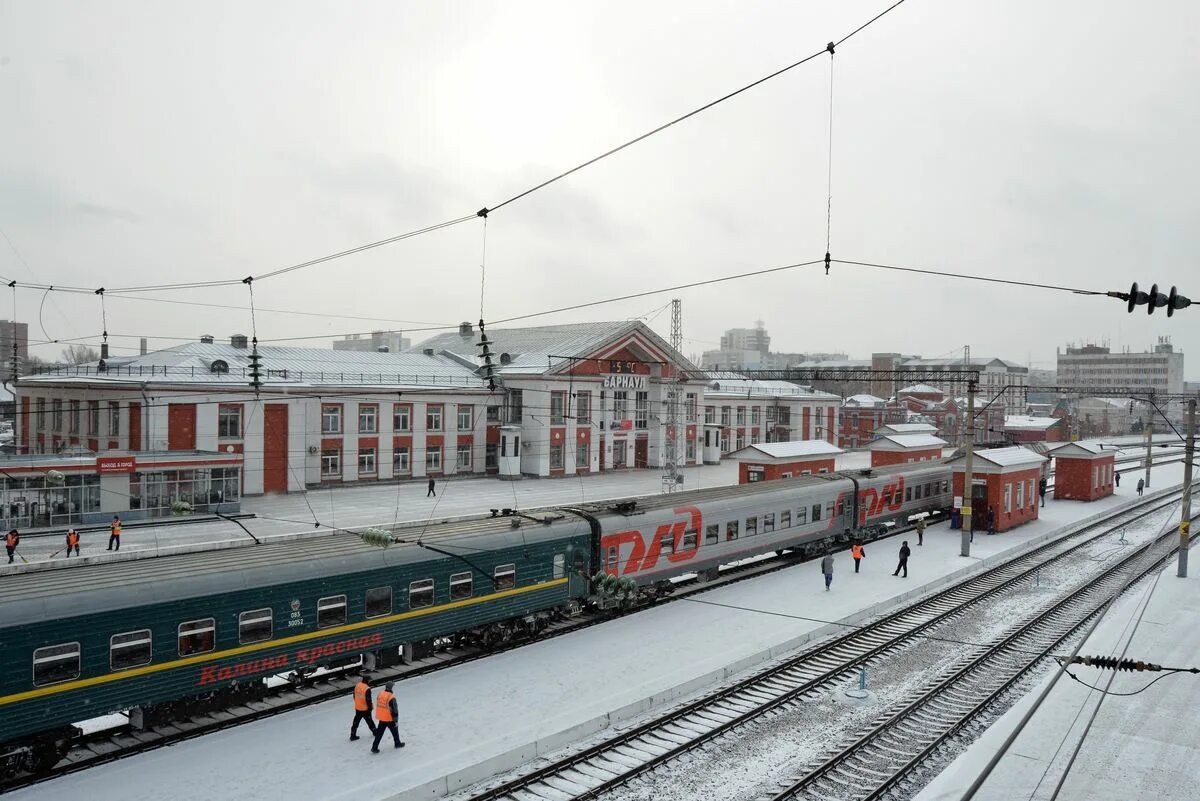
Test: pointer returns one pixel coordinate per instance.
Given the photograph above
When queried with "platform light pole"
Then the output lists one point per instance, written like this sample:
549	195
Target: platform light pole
968	464
1185	519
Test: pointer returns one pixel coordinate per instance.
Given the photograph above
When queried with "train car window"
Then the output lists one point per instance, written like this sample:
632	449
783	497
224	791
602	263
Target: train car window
55	663
560	566
802	515
785	519
690	538
254	626
768	522
331	611
731	530
611	562
379	601
129	650
197	636
420	594
816	512
505	576
462	586
908	493
579	562
712	534
917	492
828	509
666	543
751	526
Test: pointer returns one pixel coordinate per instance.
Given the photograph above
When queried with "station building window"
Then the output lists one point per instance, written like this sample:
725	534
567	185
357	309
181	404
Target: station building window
402	417
203	488
229	421
433	460
465	415
401	460
366	462
556	457
368	418
331	418
464	458
331	463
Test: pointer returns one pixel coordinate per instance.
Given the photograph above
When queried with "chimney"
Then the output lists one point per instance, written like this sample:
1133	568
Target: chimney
238	340
465	329
206	339
142	347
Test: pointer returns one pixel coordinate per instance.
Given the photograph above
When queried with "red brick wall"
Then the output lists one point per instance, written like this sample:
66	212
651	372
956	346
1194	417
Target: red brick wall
1073	478
771	472
884	458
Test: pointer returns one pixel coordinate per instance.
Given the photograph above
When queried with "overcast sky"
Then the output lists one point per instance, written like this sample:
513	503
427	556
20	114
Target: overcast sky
145	142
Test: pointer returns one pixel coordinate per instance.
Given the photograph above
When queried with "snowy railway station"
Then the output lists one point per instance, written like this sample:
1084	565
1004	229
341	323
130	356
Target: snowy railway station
470	723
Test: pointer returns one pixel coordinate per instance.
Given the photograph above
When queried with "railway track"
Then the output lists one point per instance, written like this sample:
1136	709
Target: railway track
884	757
603	766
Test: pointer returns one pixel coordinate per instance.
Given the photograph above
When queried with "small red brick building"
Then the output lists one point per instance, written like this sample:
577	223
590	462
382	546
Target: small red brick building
1024	428
1005	480
1083	471
767	461
905	448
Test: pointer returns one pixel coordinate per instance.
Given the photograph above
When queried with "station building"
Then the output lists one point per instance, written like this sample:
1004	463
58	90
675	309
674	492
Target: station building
1083	471
862	414
1027	428
775	460
576	398
905	448
1004	480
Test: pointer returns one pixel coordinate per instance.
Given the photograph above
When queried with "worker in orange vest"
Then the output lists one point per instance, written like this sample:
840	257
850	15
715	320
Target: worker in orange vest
11	541
857	552
72	541
114	537
385	715
362	706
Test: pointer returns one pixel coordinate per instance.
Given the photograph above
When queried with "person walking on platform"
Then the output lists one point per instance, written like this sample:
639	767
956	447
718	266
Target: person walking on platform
1042	489
385	715
1141	486
991	520
11	541
430	491
905	552
920	531
1117	477
857	552
827	569
362	707
72	541
114	535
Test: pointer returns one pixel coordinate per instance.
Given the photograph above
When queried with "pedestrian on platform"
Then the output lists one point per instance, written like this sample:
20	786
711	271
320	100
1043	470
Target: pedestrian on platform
1042	489
385	715
114	534
362	707
827	569
857	552
905	552
1118	478
11	541
1141	486
430	490
991	520
72	541
920	531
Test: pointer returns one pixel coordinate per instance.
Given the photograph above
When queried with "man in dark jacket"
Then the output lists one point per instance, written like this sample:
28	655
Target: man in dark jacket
386	714
1042	490
905	552
827	569
991	520
430	490
363	703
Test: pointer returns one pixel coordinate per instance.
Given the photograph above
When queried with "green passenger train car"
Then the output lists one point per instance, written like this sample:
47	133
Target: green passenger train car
81	642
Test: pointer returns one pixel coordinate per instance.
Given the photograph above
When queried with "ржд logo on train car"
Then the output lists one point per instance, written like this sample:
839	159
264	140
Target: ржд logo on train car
872	502
645	557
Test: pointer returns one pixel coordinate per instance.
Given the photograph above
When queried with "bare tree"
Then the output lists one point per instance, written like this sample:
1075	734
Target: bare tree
79	354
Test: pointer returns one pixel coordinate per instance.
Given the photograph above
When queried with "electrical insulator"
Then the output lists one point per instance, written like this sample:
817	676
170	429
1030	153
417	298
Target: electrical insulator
1113	663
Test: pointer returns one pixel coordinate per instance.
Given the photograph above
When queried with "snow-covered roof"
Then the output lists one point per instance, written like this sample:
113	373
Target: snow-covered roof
1024	422
864	399
750	387
1007	457
906	428
907	442
1087	448
919	389
786	450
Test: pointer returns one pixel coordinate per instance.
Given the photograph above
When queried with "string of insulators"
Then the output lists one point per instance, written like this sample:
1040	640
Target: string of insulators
377	537
1113	663
489	372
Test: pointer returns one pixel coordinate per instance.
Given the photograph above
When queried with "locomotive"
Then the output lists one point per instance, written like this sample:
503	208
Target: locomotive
176	636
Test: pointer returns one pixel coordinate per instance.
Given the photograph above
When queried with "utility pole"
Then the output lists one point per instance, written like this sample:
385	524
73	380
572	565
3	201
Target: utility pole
1149	440
1185	519
968	475
670	478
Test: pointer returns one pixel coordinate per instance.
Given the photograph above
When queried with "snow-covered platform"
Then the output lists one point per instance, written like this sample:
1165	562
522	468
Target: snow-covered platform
468	722
1138	747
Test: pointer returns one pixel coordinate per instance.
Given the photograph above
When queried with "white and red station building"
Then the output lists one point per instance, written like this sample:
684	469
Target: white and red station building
1083	471
921	446
1005	481
768	461
561	400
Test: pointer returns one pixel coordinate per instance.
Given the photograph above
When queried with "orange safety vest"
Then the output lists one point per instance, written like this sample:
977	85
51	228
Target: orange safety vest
360	696
72	538
10	540
383	708
856	551
116	529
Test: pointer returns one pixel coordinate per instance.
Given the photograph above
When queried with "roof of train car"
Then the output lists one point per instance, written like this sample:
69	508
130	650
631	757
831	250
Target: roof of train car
45	595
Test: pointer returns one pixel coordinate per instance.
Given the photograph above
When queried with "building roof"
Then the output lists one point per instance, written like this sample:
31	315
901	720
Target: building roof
1007	457
1087	447
1023	422
747	387
907	428
919	389
864	400
907	442
539	349
797	449
193	362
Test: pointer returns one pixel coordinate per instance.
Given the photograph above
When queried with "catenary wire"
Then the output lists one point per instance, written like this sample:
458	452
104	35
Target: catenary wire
967	276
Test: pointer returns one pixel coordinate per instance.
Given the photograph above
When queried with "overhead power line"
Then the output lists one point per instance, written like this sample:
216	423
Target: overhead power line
967	276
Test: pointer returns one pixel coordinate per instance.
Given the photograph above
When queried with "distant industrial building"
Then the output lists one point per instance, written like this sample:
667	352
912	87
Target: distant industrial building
377	342
1096	366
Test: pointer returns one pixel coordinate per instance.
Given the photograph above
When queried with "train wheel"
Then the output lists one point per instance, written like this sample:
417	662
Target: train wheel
49	748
